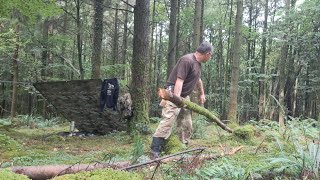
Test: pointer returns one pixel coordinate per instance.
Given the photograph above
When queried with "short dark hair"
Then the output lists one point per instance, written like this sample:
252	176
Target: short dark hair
205	47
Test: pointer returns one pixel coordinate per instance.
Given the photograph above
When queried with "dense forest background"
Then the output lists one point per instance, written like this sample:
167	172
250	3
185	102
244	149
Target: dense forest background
265	63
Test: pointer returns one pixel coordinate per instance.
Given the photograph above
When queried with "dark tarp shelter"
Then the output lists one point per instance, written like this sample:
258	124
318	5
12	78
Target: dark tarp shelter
78	101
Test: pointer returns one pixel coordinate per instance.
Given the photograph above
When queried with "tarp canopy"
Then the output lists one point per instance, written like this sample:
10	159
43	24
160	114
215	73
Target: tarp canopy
78	100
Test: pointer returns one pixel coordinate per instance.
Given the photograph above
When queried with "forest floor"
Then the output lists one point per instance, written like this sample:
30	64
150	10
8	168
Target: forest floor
263	151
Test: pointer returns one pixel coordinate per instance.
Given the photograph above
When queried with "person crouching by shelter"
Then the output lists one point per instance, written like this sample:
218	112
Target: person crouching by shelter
184	77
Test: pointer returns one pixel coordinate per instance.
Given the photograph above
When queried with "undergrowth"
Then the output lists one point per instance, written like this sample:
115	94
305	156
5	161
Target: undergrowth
268	152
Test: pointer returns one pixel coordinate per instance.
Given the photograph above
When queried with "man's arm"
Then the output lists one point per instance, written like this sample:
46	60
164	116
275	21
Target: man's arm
202	98
178	87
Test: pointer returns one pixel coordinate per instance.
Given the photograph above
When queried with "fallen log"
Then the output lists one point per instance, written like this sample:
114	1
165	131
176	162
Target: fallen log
50	171
180	102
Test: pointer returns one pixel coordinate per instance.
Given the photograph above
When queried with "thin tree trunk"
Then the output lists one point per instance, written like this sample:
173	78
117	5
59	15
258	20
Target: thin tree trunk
232	115
282	75
15	75
125	39
115	38
79	40
196	25
262	94
172	36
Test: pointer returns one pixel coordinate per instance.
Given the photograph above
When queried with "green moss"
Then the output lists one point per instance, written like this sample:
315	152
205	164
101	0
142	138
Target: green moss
8	146
55	138
7	174
173	145
101	174
245	132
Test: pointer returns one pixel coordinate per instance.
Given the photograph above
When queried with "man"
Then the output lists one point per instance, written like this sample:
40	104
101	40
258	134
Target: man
184	77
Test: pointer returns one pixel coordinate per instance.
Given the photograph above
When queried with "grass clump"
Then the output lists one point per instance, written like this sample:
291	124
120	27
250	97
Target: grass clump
102	174
9	147
7	174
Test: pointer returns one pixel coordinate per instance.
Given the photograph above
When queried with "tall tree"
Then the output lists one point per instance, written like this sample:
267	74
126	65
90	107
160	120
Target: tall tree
139	61
281	67
79	39
197	25
232	114
97	39
171	61
15	74
263	63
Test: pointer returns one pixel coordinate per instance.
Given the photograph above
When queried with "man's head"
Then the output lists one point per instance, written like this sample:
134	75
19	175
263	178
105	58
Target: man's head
204	51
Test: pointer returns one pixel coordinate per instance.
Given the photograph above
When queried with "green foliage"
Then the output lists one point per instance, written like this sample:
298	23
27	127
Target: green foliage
7	174
102	174
29	9
199	124
225	169
9	147
36	121
138	149
155	119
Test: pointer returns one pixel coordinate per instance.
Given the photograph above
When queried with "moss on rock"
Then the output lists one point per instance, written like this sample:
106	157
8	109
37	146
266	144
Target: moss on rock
173	145
245	132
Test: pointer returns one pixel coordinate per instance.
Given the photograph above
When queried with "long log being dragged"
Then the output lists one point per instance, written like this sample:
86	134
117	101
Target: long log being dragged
180	102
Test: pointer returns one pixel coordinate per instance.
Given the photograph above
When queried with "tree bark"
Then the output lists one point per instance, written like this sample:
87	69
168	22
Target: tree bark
79	40
171	61
262	94
282	75
180	102
232	114
97	39
15	75
140	61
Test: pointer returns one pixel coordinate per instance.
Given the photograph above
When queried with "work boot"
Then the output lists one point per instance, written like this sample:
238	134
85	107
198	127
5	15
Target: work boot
156	147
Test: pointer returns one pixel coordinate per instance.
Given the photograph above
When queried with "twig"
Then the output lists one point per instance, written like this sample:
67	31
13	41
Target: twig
162	158
259	146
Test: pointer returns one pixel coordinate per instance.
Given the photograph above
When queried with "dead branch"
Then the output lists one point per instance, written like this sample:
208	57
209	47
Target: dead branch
180	102
163	159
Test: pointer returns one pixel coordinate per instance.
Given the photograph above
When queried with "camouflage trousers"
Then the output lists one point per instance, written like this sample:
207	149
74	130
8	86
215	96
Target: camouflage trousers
171	114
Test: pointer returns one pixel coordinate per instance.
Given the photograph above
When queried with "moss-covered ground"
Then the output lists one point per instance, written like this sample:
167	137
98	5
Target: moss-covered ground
268	151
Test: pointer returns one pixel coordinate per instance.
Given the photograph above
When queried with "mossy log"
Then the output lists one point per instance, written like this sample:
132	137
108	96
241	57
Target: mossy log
180	102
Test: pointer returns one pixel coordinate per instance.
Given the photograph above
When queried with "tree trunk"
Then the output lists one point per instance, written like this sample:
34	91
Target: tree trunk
232	114
97	39
79	40
282	75
115	39
263	64
196	40
44	53
172	36
125	39
139	61
15	71
196	25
